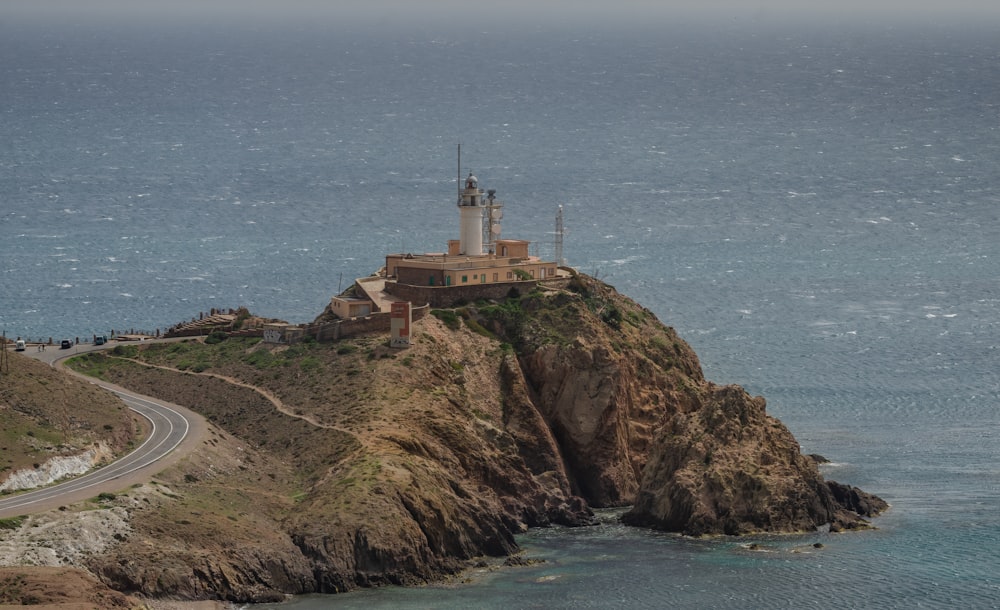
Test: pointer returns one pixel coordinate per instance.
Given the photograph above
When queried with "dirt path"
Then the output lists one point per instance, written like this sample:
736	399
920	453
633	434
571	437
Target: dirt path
274	400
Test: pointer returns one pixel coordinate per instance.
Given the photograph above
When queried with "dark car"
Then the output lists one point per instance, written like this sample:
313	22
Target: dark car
66	344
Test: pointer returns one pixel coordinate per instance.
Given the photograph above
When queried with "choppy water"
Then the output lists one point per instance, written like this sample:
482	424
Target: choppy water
815	210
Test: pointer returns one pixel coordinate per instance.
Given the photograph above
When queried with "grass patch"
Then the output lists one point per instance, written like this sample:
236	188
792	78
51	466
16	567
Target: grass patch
309	364
125	351
448	317
262	359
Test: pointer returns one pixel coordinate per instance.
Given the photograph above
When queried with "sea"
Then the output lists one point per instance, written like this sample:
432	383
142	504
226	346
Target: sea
813	205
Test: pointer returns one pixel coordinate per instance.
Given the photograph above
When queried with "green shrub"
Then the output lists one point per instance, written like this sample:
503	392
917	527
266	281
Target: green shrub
216	337
612	316
11	523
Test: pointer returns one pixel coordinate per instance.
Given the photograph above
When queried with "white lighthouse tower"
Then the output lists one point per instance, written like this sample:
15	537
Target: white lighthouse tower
470	209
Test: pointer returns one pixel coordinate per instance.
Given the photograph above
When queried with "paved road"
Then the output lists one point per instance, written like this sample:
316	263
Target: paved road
171	428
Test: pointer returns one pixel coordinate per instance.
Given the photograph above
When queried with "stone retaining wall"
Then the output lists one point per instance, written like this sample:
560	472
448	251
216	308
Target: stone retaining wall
448	296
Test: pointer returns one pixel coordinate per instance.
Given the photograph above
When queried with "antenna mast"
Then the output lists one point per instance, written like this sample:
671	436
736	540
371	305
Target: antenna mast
458	183
559	237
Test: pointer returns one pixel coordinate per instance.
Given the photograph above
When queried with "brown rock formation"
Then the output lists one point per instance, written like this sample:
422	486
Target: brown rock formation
48	587
726	467
342	465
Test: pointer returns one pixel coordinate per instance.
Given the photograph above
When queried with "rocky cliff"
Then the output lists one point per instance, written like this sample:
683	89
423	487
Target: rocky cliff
334	466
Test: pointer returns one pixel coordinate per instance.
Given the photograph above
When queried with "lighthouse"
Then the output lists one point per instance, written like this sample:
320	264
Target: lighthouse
470	209
478	258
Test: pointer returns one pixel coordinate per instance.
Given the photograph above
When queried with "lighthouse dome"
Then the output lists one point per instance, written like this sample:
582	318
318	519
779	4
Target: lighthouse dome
471	182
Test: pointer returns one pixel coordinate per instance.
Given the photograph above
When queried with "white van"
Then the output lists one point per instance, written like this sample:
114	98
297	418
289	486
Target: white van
19	345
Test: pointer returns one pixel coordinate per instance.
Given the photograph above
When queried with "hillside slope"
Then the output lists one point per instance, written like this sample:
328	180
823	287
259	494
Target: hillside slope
45	414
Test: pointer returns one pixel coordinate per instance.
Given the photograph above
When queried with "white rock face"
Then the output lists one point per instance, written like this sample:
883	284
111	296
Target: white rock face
56	539
56	468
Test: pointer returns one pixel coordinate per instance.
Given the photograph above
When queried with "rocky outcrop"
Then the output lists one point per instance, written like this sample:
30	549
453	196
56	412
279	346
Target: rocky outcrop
726	467
57	468
638	424
356	465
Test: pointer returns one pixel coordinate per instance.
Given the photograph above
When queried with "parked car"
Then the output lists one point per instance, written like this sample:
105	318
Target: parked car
100	340
66	344
19	345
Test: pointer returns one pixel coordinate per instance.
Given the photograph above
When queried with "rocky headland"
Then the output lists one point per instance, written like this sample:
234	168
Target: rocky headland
332	466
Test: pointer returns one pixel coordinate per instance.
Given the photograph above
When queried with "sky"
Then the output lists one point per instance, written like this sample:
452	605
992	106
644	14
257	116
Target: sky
479	12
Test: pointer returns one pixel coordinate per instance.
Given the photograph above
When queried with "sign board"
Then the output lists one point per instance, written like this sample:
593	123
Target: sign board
400	320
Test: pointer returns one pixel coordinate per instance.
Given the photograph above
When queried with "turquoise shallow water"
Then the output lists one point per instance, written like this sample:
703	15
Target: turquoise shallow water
814	209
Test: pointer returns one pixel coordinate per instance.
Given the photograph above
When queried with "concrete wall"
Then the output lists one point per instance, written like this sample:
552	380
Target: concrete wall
416	275
441	296
375	323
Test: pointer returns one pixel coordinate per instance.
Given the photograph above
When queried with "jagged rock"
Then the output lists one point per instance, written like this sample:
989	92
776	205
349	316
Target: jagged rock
857	500
729	468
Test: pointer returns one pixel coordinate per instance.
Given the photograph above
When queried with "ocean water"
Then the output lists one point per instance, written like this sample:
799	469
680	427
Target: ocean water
815	209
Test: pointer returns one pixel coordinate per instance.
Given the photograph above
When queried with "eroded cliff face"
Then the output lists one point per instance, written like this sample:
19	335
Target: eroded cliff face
638	424
605	374
347	465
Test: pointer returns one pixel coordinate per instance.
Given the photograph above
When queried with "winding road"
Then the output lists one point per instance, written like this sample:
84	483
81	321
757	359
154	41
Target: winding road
173	432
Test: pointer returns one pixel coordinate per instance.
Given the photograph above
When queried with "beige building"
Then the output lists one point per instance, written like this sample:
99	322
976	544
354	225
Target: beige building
351	306
462	270
478	257
282	333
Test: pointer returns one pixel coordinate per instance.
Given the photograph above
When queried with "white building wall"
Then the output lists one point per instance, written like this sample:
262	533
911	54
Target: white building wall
471	230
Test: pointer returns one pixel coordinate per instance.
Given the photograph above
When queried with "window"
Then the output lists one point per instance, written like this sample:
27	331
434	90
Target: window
431	281
510	275
496	277
482	279
465	279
